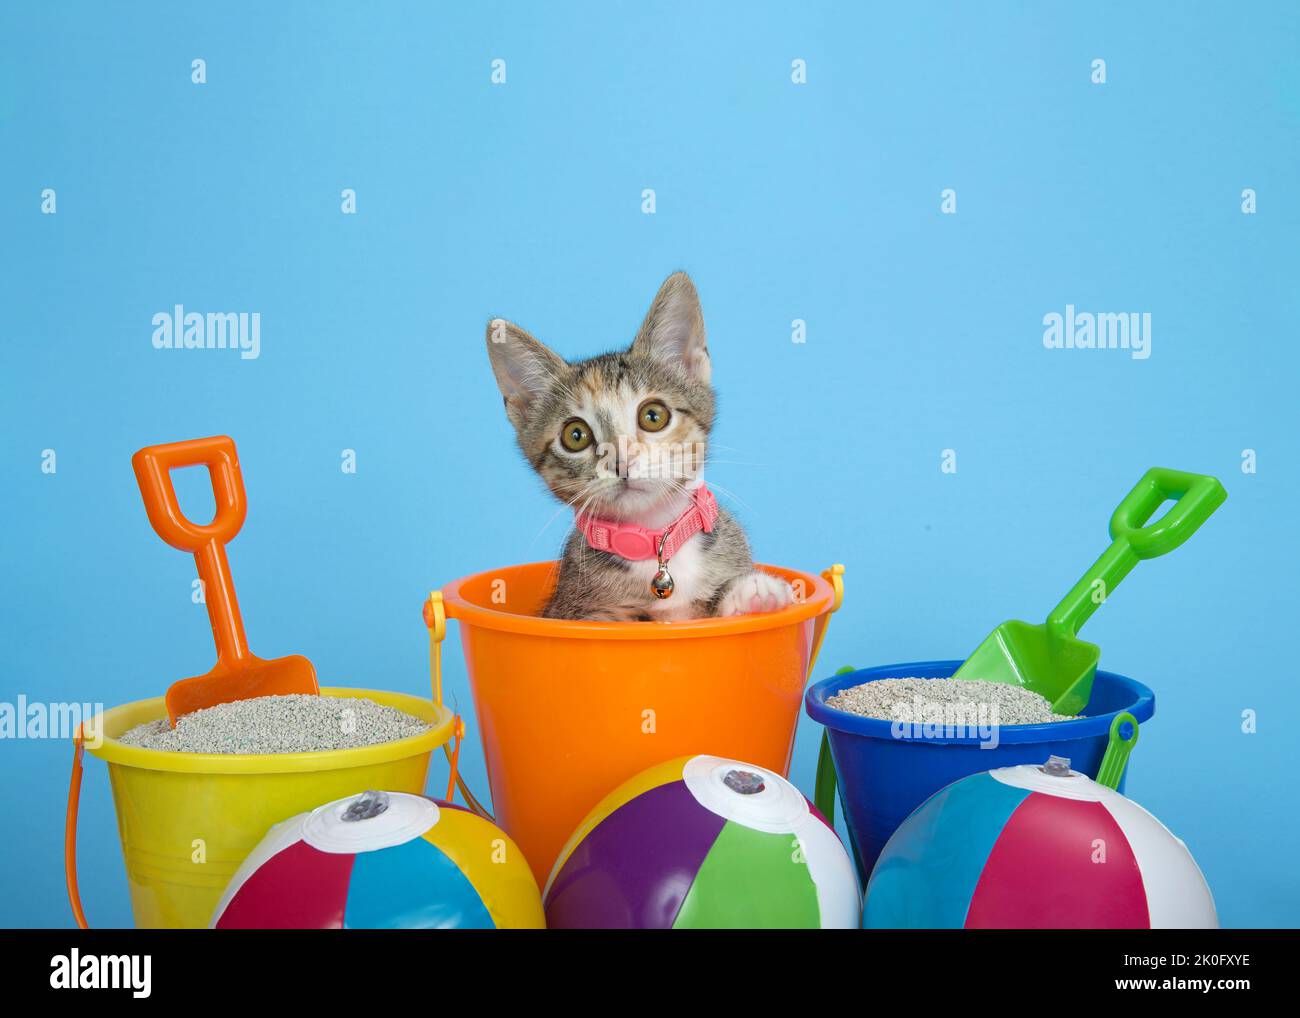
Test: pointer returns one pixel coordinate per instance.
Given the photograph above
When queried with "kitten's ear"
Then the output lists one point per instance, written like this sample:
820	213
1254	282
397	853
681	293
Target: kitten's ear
673	330
524	368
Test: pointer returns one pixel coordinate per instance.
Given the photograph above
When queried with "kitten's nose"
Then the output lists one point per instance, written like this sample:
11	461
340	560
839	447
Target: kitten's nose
631	461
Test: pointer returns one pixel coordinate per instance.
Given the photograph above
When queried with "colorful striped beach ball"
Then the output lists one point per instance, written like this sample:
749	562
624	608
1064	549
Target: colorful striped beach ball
703	842
383	860
1035	846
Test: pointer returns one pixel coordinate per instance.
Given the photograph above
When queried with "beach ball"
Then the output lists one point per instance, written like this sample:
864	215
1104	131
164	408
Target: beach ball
703	842
383	860
1035	846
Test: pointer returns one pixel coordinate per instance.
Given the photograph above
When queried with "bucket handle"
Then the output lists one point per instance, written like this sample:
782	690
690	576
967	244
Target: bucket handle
835	577
1123	737
435	618
825	784
70	834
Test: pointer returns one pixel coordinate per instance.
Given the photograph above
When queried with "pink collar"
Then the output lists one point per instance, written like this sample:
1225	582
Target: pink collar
637	544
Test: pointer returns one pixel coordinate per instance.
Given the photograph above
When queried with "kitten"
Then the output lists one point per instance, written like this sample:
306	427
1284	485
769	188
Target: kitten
622	440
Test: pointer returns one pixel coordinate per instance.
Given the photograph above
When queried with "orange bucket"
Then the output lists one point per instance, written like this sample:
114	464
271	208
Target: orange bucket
569	710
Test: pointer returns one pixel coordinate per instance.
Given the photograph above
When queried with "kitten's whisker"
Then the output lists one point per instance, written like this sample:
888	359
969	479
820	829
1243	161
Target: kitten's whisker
564	506
731	495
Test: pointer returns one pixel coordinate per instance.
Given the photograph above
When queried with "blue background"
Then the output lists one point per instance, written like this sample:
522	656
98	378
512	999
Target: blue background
816	201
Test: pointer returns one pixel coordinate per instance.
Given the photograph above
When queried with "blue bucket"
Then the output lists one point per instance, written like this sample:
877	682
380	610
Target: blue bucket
884	776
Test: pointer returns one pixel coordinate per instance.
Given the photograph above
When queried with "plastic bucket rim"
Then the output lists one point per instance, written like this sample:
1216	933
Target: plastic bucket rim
815	604
1087	727
440	716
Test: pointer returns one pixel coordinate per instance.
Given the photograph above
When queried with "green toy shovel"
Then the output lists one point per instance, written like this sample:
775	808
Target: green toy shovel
1049	658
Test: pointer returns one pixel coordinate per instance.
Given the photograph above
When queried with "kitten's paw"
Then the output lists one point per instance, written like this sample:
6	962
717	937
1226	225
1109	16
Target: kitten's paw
757	592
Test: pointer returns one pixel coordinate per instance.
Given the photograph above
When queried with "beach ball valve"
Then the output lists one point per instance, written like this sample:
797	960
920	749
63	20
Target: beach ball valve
743	782
1036	846
383	860
1057	766
703	842
364	807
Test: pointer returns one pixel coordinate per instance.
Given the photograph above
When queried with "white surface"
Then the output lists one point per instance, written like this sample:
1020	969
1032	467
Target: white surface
1030	776
778	808
408	816
839	898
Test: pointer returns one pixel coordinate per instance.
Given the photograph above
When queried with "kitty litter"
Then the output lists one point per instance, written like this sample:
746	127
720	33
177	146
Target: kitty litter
297	723
917	700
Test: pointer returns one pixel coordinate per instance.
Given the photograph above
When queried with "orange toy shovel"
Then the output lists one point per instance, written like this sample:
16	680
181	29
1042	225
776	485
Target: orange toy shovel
239	674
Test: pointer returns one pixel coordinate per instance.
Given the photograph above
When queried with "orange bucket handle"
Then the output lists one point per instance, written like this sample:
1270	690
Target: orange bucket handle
70	834
453	758
435	617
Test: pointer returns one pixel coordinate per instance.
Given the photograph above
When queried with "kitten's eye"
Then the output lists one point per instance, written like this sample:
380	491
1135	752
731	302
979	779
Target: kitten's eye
575	435
653	416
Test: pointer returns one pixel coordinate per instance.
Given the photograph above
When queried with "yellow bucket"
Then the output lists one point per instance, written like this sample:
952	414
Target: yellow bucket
187	820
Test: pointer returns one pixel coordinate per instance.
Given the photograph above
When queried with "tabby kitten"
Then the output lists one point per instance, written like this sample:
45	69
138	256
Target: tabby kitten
622	440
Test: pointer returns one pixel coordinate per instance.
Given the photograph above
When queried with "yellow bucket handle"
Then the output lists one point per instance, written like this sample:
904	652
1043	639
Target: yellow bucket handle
435	617
835	577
